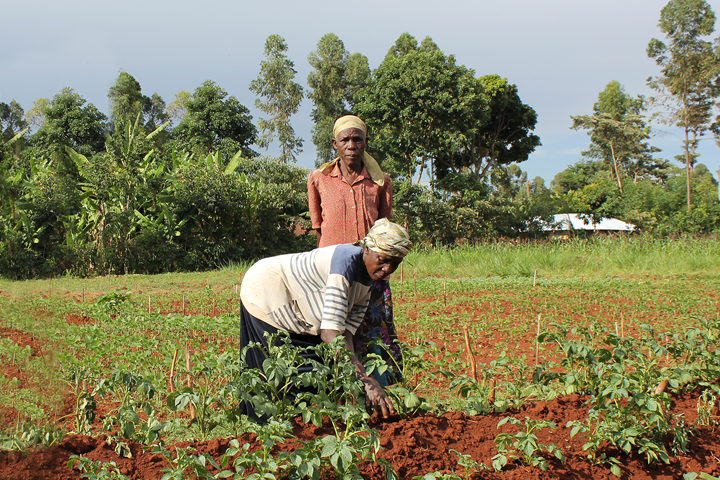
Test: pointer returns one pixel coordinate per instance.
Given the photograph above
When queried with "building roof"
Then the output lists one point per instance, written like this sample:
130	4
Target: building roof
575	221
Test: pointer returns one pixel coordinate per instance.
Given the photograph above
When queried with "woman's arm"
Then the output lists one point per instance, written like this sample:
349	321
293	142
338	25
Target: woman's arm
375	394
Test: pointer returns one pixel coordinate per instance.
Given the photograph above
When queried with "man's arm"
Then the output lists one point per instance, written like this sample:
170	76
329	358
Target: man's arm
385	204
314	206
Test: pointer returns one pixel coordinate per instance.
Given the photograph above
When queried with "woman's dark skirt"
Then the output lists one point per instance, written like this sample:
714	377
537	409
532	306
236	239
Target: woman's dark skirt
252	330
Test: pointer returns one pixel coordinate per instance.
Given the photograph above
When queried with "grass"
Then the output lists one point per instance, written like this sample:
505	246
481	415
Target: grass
594	257
671	284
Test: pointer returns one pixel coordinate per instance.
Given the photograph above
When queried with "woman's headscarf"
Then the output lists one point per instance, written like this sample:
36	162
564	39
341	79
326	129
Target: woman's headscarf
387	238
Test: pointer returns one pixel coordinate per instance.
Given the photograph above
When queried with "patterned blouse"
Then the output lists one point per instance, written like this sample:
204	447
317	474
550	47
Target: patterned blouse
345	212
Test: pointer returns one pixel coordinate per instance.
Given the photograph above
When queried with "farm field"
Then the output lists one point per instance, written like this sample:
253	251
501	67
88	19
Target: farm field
592	359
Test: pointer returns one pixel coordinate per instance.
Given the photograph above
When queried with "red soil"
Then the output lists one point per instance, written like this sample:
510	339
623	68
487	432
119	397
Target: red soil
414	446
23	340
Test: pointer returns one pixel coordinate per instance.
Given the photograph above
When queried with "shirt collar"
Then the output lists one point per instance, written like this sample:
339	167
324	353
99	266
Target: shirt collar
336	172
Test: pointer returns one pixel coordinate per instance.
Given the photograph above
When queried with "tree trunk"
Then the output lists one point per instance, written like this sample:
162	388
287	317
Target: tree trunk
617	173
687	155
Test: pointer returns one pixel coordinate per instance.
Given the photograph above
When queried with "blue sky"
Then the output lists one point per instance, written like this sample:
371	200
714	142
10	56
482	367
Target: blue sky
560	53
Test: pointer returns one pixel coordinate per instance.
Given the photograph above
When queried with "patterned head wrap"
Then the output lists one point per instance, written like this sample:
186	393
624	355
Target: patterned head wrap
351	121
387	238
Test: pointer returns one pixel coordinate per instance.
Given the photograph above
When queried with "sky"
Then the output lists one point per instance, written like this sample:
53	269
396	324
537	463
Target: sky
560	53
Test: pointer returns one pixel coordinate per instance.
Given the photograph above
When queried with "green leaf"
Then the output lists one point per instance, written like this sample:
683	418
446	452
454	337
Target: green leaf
329	446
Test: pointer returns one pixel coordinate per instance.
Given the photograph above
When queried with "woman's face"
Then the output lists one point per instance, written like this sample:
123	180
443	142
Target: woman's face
380	266
350	144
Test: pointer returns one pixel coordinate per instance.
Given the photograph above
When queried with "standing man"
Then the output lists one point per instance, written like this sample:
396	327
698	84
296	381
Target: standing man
346	197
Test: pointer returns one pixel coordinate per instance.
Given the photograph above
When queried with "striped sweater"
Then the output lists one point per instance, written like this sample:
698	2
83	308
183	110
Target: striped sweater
327	288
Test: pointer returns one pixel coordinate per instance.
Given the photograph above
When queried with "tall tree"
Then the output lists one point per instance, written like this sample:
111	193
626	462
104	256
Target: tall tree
154	111
215	122
71	122
405	44
127	102
12	120
689	69
618	134
334	82
504	139
177	109
283	96
421	107
35	116
126	99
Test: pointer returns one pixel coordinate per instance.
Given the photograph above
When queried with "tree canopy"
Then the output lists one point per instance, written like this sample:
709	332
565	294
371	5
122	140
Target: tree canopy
333	83
618	134
215	122
282	99
421	107
689	70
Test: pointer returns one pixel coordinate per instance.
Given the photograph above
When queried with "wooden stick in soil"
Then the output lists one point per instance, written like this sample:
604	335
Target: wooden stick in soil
535	278
470	355
171	383
661	387
402	275
537	342
617	332
491	395
149	305
183	304
622	325
189	381
415	286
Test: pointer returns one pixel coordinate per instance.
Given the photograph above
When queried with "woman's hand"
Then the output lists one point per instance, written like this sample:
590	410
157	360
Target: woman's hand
377	398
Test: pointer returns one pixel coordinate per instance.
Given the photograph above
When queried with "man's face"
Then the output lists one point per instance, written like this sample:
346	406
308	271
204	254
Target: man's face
380	266
350	144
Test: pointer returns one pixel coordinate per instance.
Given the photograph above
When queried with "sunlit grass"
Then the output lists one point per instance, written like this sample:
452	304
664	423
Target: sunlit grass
597	257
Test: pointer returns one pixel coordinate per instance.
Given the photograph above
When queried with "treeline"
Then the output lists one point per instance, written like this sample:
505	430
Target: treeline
181	186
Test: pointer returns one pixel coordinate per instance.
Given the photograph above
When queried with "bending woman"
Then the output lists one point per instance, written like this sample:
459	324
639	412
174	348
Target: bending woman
318	295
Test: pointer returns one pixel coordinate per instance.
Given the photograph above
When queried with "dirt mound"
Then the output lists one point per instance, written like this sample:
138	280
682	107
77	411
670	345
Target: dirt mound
23	340
414	446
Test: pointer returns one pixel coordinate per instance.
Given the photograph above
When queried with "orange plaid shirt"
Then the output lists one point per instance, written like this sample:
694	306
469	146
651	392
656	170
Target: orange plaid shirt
345	212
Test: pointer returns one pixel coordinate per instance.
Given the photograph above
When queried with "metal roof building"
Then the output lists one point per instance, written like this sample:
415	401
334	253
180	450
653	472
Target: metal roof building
572	221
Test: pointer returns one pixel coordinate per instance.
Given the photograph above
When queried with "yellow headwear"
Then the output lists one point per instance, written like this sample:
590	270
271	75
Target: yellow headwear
351	121
387	238
348	121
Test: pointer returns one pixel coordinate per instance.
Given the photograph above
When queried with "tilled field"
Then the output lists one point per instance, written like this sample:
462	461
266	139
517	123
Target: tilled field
502	324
